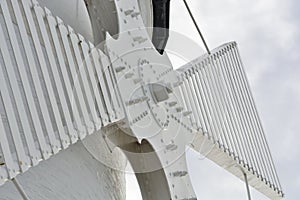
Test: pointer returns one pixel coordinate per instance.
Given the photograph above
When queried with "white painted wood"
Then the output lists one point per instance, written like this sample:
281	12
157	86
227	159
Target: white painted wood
98	89
106	65
7	159
77	92
20	102
115	92
34	60
39	16
87	65
82	79
100	75
55	144
57	85
11	115
65	81
30	55
44	147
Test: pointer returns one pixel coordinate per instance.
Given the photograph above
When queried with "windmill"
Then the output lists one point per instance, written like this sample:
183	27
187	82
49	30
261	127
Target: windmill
67	104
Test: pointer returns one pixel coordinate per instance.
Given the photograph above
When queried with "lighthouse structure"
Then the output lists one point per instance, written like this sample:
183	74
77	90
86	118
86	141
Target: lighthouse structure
87	86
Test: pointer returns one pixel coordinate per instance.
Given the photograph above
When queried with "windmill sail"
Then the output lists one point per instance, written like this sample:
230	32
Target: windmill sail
52	62
215	87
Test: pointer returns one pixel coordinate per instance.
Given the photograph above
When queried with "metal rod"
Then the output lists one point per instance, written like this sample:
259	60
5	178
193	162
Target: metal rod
20	189
197	27
247	186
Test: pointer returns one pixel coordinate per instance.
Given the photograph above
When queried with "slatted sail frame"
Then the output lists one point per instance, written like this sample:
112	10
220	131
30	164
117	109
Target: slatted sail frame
216	89
55	87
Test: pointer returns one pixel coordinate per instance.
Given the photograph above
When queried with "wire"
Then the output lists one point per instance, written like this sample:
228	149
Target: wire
197	27
247	186
20	189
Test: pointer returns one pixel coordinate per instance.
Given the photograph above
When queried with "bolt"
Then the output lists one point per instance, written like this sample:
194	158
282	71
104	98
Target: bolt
119	69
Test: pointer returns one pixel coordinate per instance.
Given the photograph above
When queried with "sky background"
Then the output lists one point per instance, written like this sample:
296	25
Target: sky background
268	35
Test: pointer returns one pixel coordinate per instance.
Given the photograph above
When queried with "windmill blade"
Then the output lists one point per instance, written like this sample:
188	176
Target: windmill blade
56	87
217	91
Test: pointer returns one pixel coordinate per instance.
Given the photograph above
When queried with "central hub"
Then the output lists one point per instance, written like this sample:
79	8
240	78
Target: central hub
147	90
147	83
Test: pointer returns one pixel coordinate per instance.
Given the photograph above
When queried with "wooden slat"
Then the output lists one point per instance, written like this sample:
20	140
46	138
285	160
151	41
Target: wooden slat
230	112
76	88
11	115
91	81
39	13
38	52
53	89
96	67
74	134
44	147
9	163
81	79
103	85
20	102
106	65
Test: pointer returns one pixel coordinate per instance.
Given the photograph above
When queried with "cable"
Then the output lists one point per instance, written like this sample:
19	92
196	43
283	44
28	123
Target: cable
20	189
197	27
247	186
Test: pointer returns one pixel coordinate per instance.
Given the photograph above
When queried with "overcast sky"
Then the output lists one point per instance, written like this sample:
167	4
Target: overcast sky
268	35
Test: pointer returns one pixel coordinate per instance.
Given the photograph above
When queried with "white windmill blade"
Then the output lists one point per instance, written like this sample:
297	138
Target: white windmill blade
55	87
216	88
